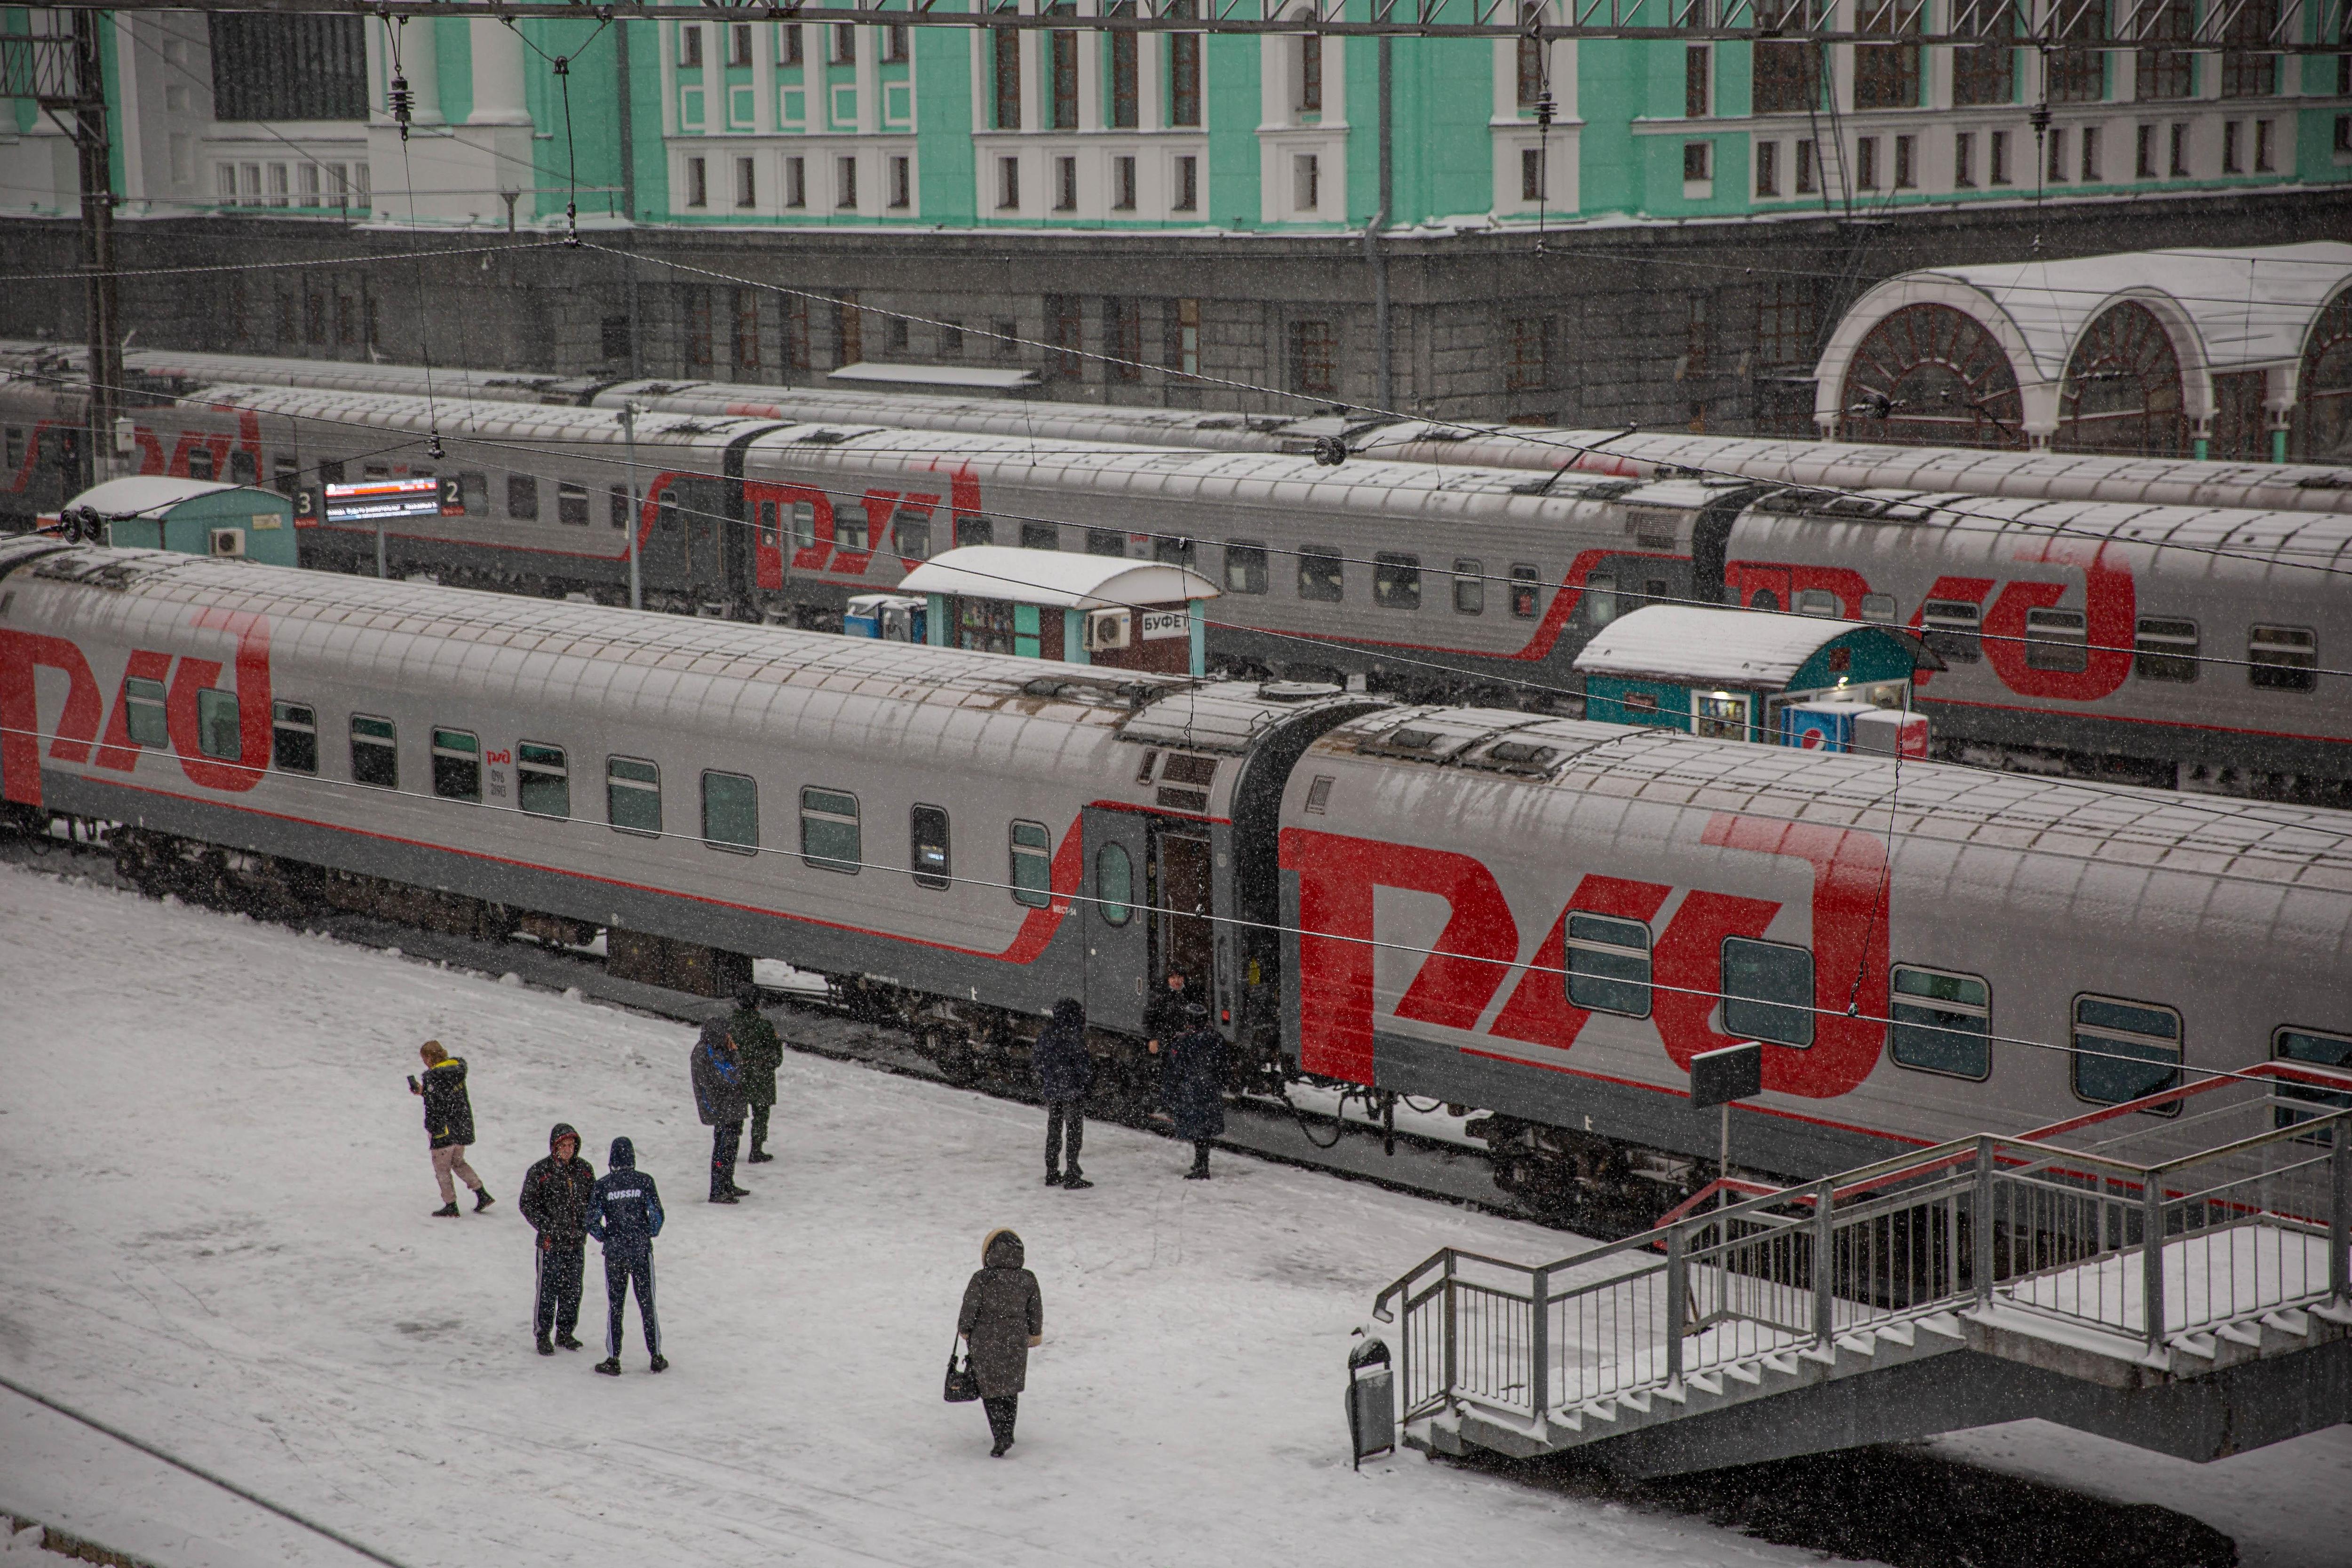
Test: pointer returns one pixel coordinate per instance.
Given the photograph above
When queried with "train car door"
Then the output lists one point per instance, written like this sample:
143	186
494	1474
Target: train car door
1118	920
1181	888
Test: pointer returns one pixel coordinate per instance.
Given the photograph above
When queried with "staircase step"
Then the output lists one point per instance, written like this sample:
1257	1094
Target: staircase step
1752	1377
1865	1343
2241	1334
2289	1320
1899	1334
1704	1384
1945	1323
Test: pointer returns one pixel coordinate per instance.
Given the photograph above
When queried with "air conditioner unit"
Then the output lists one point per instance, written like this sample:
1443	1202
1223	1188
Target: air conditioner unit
227	541
1108	630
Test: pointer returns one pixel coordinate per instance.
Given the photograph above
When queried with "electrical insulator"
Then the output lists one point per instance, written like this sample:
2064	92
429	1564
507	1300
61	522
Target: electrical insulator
401	101
1543	111
1331	451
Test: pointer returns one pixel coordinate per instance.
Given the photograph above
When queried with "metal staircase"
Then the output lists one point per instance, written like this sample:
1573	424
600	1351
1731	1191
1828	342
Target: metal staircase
2173	1273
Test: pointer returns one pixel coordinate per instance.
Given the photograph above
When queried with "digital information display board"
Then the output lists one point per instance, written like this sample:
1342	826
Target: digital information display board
376	501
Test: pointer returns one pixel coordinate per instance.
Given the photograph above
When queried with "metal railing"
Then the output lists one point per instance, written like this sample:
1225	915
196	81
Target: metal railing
2236	1204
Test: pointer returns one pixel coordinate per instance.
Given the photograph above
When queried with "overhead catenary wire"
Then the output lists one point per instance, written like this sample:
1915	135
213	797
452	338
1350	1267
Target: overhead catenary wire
1074	896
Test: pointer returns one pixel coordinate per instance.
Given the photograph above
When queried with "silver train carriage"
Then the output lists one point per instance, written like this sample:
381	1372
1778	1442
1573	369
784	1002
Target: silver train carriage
2165	645
53	441
1538	917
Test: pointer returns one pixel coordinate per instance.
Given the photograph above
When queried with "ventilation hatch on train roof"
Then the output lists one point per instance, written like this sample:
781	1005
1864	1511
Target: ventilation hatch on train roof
1538	749
826	435
1438	735
1892	506
1227	716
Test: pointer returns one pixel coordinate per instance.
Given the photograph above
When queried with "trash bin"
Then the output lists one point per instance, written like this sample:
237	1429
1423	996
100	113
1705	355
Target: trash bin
1371	1401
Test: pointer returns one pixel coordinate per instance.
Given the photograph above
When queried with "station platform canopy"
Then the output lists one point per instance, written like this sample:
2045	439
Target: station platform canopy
1731	673
1003	381
196	517
1088	609
2239	353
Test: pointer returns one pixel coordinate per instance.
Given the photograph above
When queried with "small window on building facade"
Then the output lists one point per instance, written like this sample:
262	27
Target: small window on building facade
542	781
831	837
1768	168
633	802
731	812
294	737
375	753
456	765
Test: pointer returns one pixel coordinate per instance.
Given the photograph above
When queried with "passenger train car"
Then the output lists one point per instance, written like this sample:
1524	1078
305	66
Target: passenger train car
1538	917
2165	645
1288	426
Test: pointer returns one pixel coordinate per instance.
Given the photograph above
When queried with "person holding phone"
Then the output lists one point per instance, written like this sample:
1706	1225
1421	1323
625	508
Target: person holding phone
449	1124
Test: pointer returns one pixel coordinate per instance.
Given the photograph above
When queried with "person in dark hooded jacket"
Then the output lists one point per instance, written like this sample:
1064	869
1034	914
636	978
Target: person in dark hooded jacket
1065	1075
762	1051
624	1213
717	1073
1003	1316
555	1197
1192	1087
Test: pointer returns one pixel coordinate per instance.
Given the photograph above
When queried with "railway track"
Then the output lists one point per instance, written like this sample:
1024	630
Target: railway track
1424	1154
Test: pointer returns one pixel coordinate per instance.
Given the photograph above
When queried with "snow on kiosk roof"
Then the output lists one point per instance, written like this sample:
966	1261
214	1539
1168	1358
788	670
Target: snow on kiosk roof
142	495
1051	577
1727	647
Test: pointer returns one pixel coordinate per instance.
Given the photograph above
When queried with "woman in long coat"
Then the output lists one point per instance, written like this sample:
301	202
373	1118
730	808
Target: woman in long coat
1192	1087
1003	1315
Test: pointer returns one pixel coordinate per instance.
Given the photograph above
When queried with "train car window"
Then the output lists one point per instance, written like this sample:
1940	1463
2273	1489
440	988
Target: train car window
972	530
375	753
2283	658
1879	607
830	839
1396	580
572	505
1105	542
2320	1050
1114	885
633	795
803	520
286	476
542	781
617	505
1320	573
848	529
1040	536
910	532
1950	629
1525	582
2123	1050
1609	965
1768	991
15	448
1469	588
217	727
1941	1023
731	812
1174	551
375	470
331	471
1245	566
927	833
200	462
1033	865
294	737
143	712
241	469
456	765
1599	601
523	498
474	494
2164	649
1818	602
2057	640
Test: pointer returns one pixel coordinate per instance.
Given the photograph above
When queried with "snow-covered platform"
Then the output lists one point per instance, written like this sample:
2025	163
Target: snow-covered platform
2180	1283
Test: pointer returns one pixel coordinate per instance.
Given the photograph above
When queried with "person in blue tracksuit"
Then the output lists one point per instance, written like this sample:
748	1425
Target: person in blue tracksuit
624	1213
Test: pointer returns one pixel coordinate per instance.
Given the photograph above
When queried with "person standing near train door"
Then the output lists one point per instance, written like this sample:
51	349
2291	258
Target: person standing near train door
1066	1074
763	1052
718	1075
1192	1087
449	1123
624	1213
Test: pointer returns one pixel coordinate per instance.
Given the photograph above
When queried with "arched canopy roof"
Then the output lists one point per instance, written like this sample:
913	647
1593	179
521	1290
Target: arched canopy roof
2226	310
1047	577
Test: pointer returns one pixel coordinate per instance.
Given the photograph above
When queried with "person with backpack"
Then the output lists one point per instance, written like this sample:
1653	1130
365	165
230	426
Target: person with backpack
625	1213
717	1071
556	1192
1002	1320
450	1125
1066	1074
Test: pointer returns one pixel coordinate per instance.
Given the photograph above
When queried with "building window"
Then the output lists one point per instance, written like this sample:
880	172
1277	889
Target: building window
698	182
1809	167
269	67
1785	322
2123	1050
1997	151
2283	658
902	181
1531	174
1309	95
1906	173
895	44
2077	71
831	838
2167	73
542	782
1007	45
1986	74
1122	181
1008	184
1245	566
1321	574
788	44
1065	51
1065	184
1123	337
2090	155
1314	356
747	184
1698	59
1964	160
1187	184
1768	991
1786	78
1768	168
1939	1022
844	44
2230	160
690	48
1529	367
1886	76
1033	865
1530	67
1180	335
2144	151
1183	72
738	44
294	737
1698	162
845	183
2164	649
1608	965
2262	147
2180	160
1064	325
1306	181
375	751
796	182
2054	166
1122	81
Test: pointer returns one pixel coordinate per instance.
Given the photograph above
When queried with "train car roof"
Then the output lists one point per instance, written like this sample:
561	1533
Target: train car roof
1917	802
2313	538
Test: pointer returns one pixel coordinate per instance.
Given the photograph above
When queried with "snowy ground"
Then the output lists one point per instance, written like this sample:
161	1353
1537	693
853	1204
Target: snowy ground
216	1193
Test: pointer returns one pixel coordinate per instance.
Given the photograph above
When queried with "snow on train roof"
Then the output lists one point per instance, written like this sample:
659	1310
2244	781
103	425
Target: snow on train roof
427	621
1055	577
1700	643
1914	802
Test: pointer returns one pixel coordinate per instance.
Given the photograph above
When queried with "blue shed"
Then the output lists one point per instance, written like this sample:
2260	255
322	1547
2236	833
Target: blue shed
1732	673
194	517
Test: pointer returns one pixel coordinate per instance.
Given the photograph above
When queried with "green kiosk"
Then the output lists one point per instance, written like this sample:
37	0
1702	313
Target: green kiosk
194	517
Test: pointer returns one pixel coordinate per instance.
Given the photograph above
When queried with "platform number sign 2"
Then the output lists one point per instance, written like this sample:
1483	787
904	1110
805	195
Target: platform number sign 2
453	496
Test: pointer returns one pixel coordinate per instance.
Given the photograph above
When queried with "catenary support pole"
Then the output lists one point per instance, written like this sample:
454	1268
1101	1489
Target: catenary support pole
93	148
1383	345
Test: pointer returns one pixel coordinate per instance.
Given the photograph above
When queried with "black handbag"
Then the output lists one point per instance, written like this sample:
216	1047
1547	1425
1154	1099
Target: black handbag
963	1384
